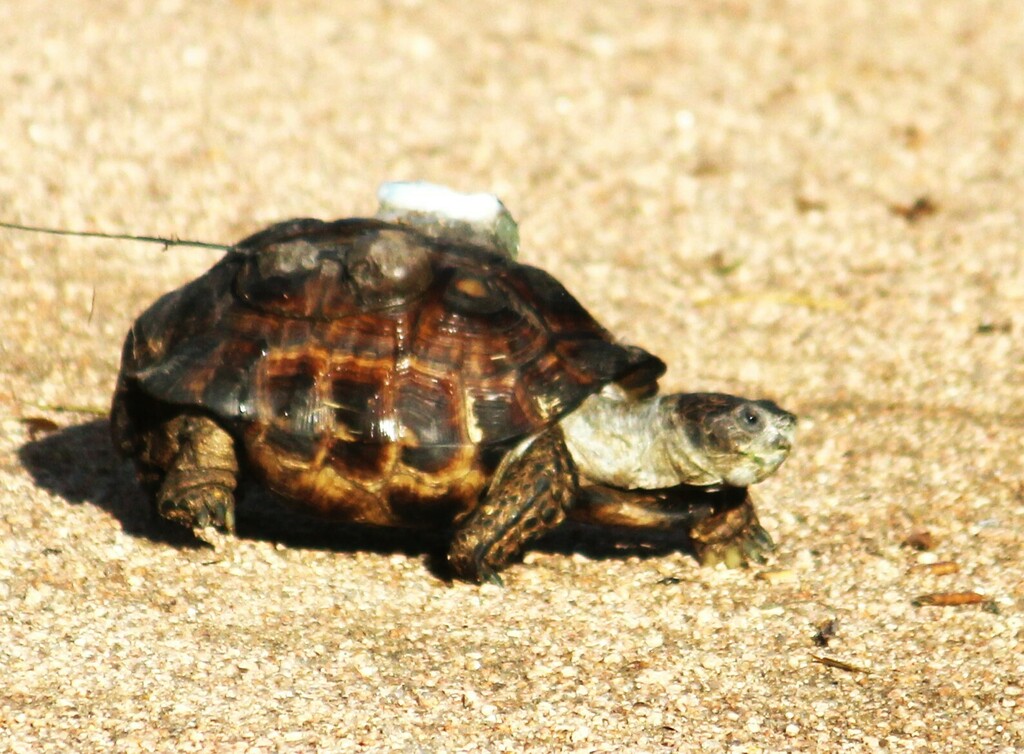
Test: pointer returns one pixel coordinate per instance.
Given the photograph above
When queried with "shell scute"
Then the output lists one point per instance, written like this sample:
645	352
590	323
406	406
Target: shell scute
369	371
292	398
359	461
296	447
357	401
432	424
333	270
497	416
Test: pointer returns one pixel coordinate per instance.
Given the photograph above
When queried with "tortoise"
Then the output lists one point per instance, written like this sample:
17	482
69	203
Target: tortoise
380	372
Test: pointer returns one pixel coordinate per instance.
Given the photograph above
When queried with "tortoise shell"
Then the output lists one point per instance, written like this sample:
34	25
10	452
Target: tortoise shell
368	371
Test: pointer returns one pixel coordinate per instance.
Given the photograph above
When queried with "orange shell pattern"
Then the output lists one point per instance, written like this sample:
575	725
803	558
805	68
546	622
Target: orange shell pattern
380	387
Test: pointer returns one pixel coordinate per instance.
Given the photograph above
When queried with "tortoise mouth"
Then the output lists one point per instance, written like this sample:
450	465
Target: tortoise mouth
756	467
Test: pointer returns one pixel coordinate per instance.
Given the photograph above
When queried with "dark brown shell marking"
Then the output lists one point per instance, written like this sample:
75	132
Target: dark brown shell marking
369	372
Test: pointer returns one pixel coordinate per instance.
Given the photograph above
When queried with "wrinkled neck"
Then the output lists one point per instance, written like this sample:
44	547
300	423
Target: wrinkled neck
631	444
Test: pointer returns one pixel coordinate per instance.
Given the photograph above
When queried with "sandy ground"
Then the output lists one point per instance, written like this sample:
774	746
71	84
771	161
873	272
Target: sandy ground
818	202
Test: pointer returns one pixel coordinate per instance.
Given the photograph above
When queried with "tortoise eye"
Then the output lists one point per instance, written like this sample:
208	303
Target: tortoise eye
751	419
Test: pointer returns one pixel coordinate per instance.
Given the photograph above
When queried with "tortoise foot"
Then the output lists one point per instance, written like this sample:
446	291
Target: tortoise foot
733	537
471	564
199	508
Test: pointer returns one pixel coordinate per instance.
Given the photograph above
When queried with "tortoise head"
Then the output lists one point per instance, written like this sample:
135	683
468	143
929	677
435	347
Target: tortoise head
736	440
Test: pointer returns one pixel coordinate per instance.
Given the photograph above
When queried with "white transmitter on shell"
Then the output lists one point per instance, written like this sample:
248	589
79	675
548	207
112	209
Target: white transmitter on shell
442	212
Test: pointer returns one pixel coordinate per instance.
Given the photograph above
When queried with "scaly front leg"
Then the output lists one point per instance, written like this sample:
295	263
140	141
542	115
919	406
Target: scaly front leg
531	491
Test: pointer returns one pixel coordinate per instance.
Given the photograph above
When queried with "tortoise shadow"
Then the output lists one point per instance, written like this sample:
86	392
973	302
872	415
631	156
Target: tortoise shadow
80	465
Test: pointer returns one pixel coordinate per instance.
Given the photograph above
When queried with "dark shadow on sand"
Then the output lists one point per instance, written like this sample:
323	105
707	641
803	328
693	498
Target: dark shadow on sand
80	465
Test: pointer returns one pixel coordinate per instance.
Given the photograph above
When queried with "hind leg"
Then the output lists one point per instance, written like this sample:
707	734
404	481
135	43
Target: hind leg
189	464
530	494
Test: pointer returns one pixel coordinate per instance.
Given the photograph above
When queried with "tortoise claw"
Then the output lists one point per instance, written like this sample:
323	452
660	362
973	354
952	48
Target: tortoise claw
490	576
735	554
762	538
198	508
709	557
752	552
474	568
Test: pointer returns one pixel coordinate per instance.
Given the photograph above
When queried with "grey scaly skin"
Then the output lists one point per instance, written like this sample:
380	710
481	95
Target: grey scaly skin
699	439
